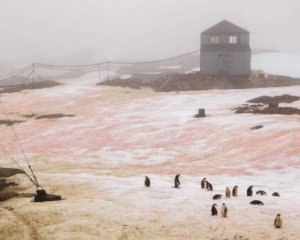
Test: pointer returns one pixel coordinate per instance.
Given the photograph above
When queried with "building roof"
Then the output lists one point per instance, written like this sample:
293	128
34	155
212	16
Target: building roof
225	27
225	48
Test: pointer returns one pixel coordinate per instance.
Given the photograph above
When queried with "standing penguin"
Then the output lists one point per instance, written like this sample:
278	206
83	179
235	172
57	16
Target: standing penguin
249	191
203	183
147	182
214	211
177	183
227	193
209	187
278	221
235	191
224	211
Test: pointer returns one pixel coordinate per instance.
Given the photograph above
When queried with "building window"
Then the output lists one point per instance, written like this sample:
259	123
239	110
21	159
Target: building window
233	39
215	39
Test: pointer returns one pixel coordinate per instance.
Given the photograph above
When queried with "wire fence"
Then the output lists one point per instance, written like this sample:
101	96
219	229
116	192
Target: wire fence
101	66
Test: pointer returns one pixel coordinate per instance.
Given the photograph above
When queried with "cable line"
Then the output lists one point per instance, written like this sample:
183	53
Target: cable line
20	146
18	165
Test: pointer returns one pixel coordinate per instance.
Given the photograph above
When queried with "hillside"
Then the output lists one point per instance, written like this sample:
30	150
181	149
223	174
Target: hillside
97	161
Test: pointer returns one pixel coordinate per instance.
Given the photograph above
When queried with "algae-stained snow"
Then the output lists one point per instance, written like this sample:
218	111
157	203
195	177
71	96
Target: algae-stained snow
98	159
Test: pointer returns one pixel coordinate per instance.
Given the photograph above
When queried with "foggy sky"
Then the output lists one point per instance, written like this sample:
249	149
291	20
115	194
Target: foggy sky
84	31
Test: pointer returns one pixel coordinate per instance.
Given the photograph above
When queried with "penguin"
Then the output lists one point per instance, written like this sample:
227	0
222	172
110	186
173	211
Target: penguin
260	192
227	193
224	211
257	202
147	182
275	194
203	183
209	186
214	211
249	191
217	196
177	183
235	191
278	221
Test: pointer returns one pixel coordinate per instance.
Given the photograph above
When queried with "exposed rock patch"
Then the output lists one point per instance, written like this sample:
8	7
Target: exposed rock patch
36	116
32	115
9	172
257	127
197	81
286	98
21	87
258	109
9	122
53	116
269	105
5	173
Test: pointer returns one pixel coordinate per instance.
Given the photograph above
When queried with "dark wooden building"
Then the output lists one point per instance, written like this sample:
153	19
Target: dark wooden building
225	50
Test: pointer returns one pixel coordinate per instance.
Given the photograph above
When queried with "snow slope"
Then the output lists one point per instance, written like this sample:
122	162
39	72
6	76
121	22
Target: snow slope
98	159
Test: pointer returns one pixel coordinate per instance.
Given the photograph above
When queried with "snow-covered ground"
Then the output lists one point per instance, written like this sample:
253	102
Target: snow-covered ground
97	161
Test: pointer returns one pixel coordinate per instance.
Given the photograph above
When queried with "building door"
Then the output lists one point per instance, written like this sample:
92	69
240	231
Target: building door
224	63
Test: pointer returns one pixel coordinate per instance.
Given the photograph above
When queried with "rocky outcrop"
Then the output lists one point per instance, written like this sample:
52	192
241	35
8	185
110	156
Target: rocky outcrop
259	109
9	172
197	81
269	105
286	98
36	85
5	173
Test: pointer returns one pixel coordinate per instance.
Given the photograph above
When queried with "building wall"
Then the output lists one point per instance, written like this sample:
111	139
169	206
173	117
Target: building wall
243	38
240	63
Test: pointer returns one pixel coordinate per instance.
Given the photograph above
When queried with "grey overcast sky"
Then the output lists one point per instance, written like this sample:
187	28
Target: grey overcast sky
83	31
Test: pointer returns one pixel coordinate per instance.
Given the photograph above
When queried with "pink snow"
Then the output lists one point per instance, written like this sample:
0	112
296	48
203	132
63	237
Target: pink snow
142	127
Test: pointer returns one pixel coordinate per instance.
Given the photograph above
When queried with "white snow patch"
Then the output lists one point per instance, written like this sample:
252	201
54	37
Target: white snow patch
127	76
135	156
171	67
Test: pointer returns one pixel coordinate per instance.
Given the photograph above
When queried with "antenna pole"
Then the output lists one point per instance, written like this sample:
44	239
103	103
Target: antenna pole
99	72
108	71
33	71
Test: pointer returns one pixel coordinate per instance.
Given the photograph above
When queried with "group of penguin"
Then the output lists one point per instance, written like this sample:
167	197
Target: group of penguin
224	210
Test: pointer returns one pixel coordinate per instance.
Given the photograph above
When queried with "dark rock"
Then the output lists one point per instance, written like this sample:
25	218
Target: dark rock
197	81
274	101
10	122
257	127
32	115
36	85
8	172
270	105
53	116
6	194
3	184
273	105
263	109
